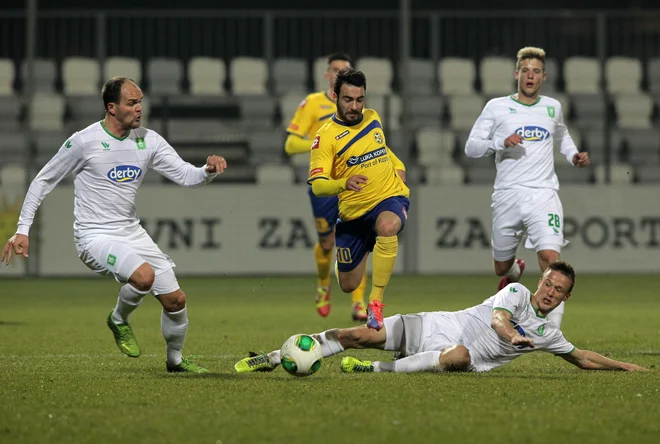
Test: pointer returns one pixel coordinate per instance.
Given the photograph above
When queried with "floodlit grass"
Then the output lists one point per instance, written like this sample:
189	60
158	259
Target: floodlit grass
62	378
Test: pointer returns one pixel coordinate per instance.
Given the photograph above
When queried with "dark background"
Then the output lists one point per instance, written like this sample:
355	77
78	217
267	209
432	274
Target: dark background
348	6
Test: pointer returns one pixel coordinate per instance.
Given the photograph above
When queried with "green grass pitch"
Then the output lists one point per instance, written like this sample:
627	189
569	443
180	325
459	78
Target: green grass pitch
62	378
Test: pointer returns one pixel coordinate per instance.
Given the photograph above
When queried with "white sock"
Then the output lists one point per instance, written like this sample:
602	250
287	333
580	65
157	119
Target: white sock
174	327
128	300
274	357
420	362
330	345
514	272
556	315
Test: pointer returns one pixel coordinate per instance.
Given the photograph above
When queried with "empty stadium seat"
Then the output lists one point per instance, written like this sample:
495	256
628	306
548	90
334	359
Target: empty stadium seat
289	76
46	112
249	76
582	75
456	76
45	74
633	110
623	75
426	110
81	76
7	77
379	74
497	76
124	67
653	72
435	147
206	76
164	76
465	109
421	77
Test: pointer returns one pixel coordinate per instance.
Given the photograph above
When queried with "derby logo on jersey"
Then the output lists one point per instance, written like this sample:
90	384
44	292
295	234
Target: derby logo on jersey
533	133
124	173
356	160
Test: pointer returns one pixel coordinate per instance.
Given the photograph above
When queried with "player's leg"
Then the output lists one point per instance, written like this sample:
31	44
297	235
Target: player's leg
110	255
506	235
545	226
352	246
390	218
451	359
325	218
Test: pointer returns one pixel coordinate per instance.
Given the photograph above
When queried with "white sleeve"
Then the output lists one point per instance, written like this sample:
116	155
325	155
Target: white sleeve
566	145
480	142
511	298
68	159
559	345
167	162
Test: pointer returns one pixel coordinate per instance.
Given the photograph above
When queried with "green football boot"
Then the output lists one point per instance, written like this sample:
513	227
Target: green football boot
255	363
354	365
124	338
186	366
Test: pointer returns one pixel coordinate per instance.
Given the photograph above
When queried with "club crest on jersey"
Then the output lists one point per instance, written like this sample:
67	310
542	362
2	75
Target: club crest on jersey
551	111
124	173
533	133
317	142
378	137
344	134
141	144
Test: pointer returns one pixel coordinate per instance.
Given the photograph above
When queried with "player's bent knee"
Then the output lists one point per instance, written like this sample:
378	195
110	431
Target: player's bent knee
173	302
143	278
327	243
388	226
502	267
348	283
455	359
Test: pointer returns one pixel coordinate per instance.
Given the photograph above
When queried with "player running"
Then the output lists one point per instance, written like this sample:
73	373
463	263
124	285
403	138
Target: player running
520	130
311	114
350	158
108	160
505	326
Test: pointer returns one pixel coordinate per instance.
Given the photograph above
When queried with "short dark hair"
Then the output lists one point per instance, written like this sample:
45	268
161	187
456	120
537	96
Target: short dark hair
351	77
564	268
339	56
111	91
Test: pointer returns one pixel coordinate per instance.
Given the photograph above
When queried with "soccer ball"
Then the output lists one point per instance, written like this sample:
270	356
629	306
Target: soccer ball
301	355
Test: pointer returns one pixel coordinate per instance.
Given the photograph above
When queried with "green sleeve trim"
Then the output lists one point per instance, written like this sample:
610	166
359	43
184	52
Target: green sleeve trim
561	354
503	309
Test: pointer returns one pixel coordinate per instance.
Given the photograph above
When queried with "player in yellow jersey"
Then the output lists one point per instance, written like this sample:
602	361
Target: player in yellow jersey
350	158
312	113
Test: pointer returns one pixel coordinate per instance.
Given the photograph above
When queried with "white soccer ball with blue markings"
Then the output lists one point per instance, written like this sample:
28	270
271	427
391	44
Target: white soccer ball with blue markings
301	355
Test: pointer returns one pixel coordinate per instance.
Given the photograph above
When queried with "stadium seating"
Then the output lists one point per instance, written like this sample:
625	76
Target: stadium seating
206	76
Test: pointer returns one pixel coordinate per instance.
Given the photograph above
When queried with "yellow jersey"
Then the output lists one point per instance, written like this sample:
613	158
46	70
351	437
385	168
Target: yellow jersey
311	114
340	151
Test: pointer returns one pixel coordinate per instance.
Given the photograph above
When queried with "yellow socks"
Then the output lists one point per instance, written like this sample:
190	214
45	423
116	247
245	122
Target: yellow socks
384	257
323	260
358	294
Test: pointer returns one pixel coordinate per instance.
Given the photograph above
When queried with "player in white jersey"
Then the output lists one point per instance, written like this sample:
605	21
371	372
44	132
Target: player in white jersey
505	326
108	160
520	130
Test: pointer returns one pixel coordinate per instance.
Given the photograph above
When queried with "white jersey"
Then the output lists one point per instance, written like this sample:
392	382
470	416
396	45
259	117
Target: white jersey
530	164
107	173
472	328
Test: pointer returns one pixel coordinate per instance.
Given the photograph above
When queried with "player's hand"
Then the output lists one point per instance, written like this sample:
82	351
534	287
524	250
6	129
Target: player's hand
634	368
215	164
18	244
519	339
402	175
355	183
513	140
581	160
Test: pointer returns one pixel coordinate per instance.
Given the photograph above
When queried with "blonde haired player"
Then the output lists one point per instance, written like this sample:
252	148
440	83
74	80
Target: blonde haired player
312	113
520	130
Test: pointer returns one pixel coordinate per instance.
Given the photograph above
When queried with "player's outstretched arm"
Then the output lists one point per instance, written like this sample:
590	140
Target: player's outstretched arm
295	144
589	360
166	161
501	323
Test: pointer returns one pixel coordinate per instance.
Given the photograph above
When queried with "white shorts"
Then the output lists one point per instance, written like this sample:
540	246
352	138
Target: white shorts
536	212
411	334
122	255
